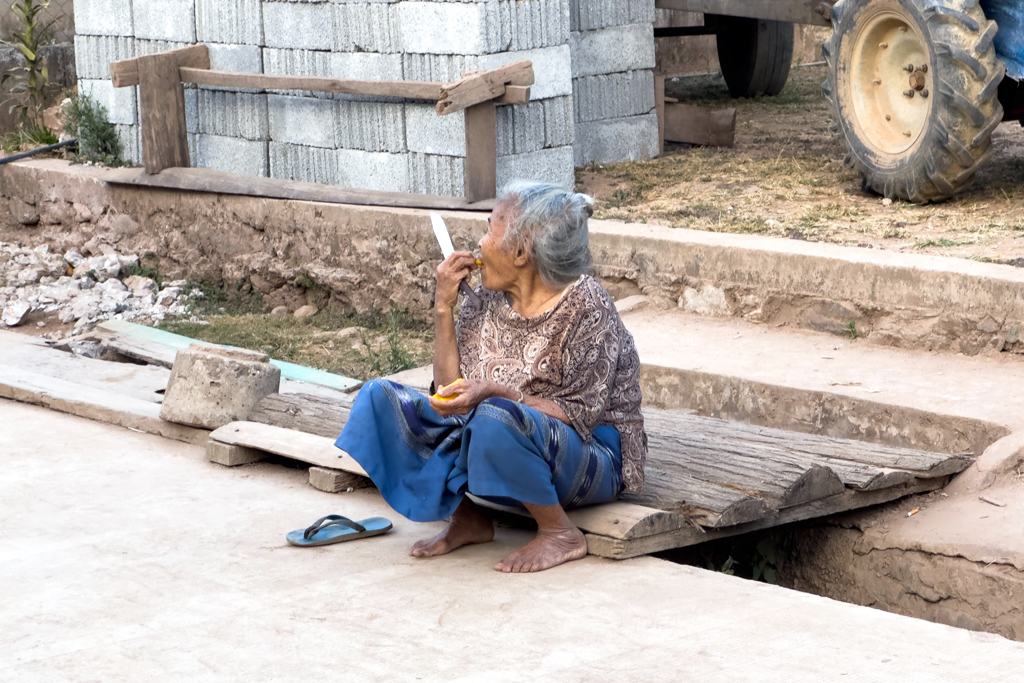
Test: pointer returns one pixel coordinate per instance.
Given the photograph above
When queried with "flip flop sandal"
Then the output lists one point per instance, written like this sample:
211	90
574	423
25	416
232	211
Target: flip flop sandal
338	529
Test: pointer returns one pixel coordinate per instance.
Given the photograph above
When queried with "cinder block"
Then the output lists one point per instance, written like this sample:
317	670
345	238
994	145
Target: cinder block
610	50
222	153
428	133
104	18
436	174
627	139
365	27
296	62
298	25
552	68
120	103
230	114
443	68
232	456
238	58
588	15
302	120
305	164
559	125
237	22
538	125
173	20
373	170
366	66
553	165
370	126
336	481
151	47
530	24
613	96
131	142
191	108
460	28
93	54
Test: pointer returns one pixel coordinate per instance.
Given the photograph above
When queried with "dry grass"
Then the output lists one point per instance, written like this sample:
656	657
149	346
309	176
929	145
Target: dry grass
785	178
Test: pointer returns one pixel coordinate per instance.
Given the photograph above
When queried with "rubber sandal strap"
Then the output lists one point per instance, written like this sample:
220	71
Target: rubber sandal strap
332	520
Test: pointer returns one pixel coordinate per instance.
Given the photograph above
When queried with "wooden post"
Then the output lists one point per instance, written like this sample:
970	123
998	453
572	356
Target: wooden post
481	152
162	108
659	106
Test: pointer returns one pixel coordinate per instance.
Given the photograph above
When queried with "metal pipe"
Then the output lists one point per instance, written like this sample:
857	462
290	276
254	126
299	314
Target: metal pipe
40	150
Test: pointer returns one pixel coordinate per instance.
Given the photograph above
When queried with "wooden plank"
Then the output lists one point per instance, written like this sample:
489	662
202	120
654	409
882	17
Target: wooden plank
223	182
336	481
125	73
796	11
316	450
416	90
481	152
483	86
659	106
619	549
162	109
700	126
159	347
302	412
706	503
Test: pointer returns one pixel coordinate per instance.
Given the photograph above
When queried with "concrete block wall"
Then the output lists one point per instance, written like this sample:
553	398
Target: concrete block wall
604	51
613	59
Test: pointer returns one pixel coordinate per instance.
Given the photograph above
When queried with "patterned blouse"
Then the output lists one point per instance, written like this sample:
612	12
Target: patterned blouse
578	354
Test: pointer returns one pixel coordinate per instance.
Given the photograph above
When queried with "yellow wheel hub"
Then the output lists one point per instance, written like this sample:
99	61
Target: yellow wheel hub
891	85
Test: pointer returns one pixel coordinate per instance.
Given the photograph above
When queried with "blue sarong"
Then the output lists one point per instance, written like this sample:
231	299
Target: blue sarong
423	463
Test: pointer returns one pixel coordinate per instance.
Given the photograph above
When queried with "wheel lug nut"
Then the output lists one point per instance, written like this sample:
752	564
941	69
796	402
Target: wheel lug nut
909	68
924	68
907	133
877	81
883	45
888	117
924	93
908	93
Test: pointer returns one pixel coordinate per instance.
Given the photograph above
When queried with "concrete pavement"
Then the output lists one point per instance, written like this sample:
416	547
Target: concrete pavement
127	557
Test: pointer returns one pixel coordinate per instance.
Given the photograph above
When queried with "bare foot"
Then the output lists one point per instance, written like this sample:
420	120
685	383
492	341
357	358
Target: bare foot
466	527
549	549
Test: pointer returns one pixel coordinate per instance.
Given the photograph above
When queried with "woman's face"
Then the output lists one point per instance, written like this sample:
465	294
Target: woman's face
499	269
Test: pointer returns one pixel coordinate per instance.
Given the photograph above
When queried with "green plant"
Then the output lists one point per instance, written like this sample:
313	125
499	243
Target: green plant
32	81
764	562
131	269
86	119
35	136
395	358
728	567
851	327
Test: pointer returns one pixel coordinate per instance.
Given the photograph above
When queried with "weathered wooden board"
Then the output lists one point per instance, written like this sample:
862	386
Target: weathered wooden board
481	86
795	11
481	152
416	90
316	450
223	182
125	72
302	412
162	107
619	549
699	125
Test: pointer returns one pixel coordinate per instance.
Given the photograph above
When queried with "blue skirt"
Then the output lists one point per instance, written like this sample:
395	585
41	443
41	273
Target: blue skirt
423	463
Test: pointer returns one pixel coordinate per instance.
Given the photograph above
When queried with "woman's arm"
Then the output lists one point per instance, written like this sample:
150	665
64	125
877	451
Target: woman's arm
465	396
450	273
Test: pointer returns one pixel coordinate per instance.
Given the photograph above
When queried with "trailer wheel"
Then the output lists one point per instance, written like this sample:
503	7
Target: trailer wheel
755	54
913	91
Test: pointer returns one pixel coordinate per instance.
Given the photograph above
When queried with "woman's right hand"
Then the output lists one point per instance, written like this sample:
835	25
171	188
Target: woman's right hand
450	273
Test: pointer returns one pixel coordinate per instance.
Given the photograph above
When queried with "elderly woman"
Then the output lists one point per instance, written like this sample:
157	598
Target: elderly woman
539	405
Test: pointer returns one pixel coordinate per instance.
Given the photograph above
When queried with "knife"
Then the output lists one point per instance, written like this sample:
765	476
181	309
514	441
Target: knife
444	240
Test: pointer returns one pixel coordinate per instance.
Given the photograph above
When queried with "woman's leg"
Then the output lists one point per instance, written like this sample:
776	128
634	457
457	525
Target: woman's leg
558	541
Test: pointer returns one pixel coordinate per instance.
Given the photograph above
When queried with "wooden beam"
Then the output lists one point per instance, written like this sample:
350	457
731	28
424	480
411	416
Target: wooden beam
417	90
483	86
225	182
481	152
659	107
514	94
125	73
316	450
620	549
162	109
700	126
796	11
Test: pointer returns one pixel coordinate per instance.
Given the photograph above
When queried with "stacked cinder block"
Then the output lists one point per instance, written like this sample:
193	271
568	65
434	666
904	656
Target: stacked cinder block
399	145
613	59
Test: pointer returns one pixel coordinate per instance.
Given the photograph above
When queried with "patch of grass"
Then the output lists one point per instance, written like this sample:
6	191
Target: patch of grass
87	120
941	242
826	212
29	137
132	269
232	300
851	327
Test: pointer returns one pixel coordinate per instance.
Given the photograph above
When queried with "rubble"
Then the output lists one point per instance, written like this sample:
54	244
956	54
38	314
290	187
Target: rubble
83	290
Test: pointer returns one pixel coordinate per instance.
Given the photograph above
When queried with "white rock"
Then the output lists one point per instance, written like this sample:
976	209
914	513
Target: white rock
140	285
73	258
168	296
14	313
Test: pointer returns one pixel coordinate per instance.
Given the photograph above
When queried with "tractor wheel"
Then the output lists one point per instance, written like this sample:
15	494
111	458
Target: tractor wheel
913	90
755	54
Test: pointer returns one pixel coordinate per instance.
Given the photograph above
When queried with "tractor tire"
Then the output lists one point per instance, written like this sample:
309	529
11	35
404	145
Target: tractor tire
913	88
755	54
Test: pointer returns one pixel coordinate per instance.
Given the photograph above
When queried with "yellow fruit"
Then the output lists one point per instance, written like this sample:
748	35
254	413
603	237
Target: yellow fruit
449	398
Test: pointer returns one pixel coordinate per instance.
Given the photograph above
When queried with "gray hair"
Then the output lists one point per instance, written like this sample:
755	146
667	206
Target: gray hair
554	224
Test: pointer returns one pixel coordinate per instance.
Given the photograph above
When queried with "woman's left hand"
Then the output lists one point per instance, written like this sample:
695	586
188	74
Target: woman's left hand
465	396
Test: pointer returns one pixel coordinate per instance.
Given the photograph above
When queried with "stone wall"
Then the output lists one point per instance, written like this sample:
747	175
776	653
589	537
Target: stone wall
394	145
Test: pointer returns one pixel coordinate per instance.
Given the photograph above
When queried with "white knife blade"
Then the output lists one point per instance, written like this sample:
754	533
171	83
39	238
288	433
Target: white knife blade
444	240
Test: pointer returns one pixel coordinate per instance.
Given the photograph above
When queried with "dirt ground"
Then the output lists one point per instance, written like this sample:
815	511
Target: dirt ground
785	177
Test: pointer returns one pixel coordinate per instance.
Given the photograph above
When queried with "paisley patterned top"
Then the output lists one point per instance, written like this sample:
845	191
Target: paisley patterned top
578	354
